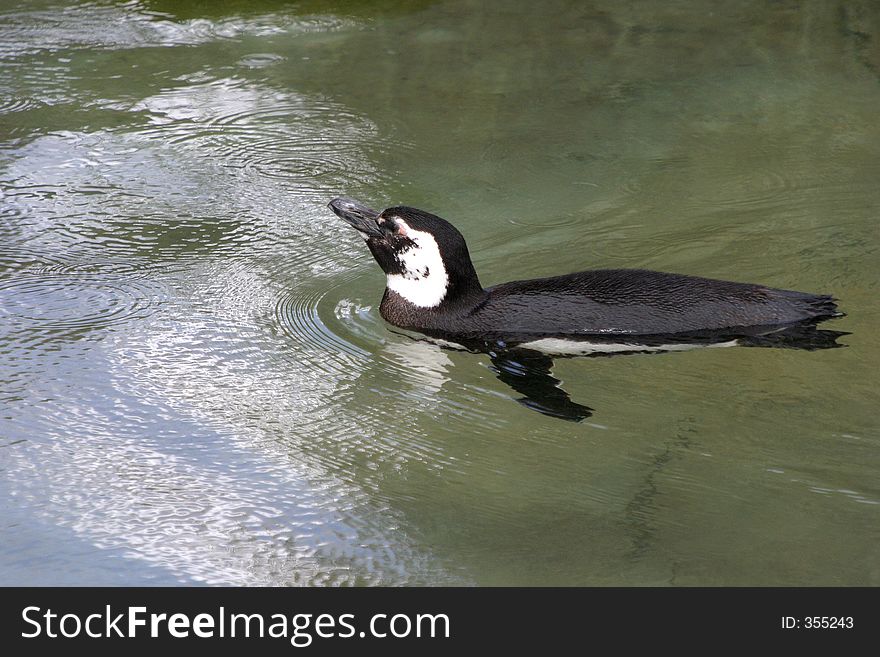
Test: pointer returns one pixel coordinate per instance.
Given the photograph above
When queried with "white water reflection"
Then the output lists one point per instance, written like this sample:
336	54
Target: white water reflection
131	25
427	365
204	439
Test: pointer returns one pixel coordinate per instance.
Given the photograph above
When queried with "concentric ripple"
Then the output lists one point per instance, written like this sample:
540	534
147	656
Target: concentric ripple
408	367
307	143
260	60
69	298
746	188
297	315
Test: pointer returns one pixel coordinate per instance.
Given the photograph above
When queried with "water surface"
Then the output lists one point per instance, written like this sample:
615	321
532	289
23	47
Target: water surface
196	384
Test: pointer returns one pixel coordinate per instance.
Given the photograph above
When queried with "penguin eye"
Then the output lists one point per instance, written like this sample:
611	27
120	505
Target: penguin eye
393	226
397	227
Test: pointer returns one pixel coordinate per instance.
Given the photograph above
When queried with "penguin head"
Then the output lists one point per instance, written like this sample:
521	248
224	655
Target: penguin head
424	257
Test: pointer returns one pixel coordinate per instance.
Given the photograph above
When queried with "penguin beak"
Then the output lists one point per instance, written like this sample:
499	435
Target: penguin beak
361	218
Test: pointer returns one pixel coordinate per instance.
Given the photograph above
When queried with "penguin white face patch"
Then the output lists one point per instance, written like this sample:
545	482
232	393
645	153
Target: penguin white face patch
422	279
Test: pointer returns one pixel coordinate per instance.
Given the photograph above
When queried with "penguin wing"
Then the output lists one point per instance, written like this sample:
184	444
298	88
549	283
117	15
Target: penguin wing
640	302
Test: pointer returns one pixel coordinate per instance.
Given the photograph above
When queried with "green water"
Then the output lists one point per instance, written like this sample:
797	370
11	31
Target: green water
195	383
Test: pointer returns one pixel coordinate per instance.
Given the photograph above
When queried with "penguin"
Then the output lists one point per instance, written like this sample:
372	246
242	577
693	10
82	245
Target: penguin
432	288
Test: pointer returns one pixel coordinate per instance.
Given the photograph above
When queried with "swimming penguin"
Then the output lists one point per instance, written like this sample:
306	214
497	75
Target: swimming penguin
432	288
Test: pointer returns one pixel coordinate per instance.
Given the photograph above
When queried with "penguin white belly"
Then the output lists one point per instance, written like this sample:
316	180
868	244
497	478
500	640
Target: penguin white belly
563	347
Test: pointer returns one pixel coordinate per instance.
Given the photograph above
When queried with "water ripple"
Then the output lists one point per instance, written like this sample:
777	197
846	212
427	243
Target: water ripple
10	104
306	143
260	60
360	320
297	314
746	188
409	369
70	298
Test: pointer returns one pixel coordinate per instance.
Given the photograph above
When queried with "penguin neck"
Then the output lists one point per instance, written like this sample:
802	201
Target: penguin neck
464	291
433	281
463	295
